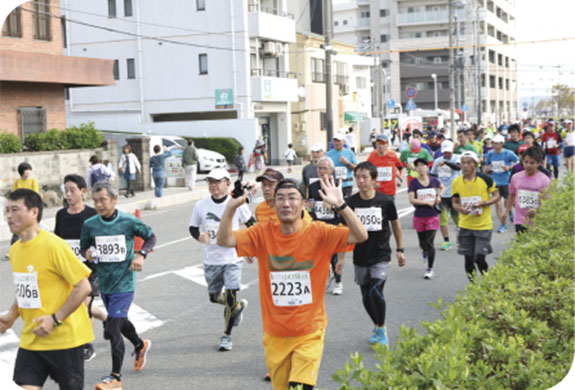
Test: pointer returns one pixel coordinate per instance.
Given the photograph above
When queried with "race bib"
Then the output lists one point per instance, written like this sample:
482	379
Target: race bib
427	194
528	199
384	173
497	166
75	245
340	173
370	217
410	160
291	288
111	249
322	211
27	290
444	171
468	201
551	144
212	229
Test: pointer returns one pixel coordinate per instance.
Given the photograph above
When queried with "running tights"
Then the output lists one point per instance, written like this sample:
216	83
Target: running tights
374	301
115	328
426	239
555	169
334	260
299	386
230	301
470	262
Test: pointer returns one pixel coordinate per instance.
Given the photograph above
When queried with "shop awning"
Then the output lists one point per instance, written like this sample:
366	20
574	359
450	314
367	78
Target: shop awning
354	116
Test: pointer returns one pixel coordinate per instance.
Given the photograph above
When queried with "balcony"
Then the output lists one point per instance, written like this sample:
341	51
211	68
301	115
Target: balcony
271	24
363	23
273	86
427	17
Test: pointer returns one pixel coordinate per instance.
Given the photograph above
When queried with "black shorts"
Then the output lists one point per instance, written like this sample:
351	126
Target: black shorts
64	366
503	191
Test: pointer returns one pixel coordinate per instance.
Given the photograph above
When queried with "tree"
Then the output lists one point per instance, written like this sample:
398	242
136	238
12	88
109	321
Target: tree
564	97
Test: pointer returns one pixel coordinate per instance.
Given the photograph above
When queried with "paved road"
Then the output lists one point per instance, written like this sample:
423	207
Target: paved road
172	309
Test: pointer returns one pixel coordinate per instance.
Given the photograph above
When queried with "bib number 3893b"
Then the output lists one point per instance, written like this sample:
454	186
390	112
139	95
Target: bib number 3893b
291	288
27	290
112	249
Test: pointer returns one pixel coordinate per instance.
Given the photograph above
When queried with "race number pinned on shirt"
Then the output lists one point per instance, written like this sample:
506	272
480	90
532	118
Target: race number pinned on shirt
497	166
384	173
469	201
75	245
528	199
444	171
427	195
322	211
370	217
551	143
27	290
340	173
212	229
111	249
291	288
410	160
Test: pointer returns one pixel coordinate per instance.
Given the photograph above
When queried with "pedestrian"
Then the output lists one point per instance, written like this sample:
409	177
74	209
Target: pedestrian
569	150
425	194
351	140
129	165
290	155
26	180
69	222
472	196
97	172
158	166
551	141
107	239
293	255
190	164
240	163
373	138
372	258
260	154
389	167
309	172
51	285
344	161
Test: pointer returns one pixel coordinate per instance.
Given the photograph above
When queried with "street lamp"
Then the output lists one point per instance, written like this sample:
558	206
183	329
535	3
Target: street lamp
434	77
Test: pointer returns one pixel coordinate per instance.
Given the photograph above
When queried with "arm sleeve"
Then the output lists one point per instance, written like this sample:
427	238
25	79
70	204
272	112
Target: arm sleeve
195	232
391	211
454	166
150	243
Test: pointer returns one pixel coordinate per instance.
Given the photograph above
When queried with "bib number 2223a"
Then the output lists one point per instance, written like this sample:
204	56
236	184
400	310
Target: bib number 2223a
291	288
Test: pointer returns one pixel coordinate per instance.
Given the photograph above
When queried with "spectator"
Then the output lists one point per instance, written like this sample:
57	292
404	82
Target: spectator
129	165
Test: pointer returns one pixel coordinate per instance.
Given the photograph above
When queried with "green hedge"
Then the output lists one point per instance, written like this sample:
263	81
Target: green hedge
514	329
226	146
10	143
84	136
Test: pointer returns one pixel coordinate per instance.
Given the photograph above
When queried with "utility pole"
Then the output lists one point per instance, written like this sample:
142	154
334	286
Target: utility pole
327	32
451	74
477	56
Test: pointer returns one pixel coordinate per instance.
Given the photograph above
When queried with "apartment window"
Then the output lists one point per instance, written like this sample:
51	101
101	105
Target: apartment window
491	81
32	120
317	70
64	37
491	56
483	80
344	22
335	23
42	20
382	13
383	38
128	8
500	59
131	66
13	24
500	79
364	14
323	120
507	62
437	60
116	70
360	82
203	63
507	84
111	8
201	5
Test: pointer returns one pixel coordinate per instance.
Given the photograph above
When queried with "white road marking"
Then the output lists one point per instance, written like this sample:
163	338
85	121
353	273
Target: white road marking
8	349
172	242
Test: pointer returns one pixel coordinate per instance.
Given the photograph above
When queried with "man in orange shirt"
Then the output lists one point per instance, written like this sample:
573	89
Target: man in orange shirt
388	167
294	259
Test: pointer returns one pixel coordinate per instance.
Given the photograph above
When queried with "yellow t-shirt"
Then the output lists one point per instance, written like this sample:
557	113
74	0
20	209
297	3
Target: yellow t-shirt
266	213
45	270
469	192
30	183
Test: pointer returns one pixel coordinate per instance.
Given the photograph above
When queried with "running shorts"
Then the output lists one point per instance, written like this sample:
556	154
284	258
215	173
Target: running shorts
422	224
225	275
376	271
474	242
569	151
503	191
118	304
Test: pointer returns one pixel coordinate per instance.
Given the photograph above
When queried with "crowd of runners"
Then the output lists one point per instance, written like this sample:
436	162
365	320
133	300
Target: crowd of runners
297	236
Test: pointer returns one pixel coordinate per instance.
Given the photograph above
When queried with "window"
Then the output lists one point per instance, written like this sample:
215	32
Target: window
491	56
201	5
111	8
383	38
360	82
13	25
323	120
344	22
203	63
131	65
41	17
500	80
507	62
32	120
500	59
116	70
128	8
364	14
507	84
483	80
335	23
491	81
317	70
382	13
437	60
64	37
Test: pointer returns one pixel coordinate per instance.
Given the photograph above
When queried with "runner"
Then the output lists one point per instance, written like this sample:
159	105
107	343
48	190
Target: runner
69	223
409	155
107	239
526	189
309	172
222	266
513	143
344	161
447	168
290	155
372	258
425	193
463	143
551	141
388	165
293	258
417	134
472	195
50	285
569	150
500	161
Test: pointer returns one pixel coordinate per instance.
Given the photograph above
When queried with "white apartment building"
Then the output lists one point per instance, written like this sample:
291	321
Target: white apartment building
217	68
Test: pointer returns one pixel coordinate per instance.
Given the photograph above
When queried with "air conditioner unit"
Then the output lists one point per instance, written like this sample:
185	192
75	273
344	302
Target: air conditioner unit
270	49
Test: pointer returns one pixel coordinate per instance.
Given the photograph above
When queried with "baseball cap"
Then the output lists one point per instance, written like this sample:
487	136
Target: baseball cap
498	139
446	146
488	136
469	154
339	135
415	145
382	137
218	174
317	147
418	160
271	175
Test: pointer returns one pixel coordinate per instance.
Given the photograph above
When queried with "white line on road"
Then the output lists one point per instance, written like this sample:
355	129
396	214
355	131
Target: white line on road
172	242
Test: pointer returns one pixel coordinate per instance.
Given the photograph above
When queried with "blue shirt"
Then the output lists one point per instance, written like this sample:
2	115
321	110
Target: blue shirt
350	156
445	174
158	162
496	161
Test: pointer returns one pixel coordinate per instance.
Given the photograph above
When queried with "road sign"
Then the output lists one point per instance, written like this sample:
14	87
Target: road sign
464	108
391	104
224	98
525	104
411	92
410	106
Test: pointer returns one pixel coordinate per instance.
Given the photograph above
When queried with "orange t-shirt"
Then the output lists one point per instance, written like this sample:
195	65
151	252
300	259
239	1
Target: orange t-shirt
303	256
390	160
266	213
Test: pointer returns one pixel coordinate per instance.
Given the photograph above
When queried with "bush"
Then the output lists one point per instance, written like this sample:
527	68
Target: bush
226	146
83	137
514	329
10	143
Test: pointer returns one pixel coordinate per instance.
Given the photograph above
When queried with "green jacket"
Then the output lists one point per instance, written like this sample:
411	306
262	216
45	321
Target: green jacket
190	156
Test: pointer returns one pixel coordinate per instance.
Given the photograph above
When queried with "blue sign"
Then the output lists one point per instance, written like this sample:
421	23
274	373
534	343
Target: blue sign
525	104
411	92
224	98
391	104
464	108
410	106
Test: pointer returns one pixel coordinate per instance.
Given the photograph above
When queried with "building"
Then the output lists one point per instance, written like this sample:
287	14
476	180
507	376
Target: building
35	74
403	32
193	68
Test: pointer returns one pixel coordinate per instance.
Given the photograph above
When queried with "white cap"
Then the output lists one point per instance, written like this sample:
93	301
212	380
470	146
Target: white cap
498	139
568	121
317	147
488	136
447	146
218	174
339	135
469	154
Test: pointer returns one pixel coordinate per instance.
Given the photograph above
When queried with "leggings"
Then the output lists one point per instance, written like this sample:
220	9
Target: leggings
129	190
470	262
230	301
114	329
374	300
426	239
334	260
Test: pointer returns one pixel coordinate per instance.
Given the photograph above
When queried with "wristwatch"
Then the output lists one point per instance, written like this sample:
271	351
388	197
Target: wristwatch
143	253
57	322
399	250
340	208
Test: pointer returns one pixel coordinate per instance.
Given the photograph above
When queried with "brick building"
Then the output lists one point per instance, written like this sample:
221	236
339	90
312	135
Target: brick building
34	72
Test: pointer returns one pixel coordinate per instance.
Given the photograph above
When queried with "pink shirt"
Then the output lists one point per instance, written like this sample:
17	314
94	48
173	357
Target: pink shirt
527	191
